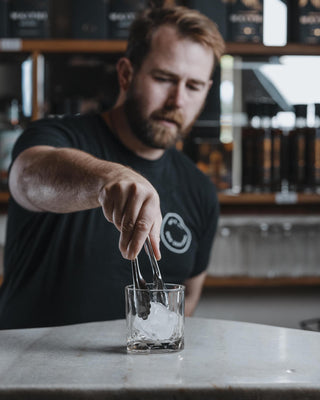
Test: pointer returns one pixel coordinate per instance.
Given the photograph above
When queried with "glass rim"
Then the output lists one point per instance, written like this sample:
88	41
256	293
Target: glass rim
169	287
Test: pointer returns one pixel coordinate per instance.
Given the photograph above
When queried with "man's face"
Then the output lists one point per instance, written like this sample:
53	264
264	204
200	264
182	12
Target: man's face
167	93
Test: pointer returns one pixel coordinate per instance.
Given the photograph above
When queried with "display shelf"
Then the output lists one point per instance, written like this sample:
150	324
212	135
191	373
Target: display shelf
259	49
4	197
239	199
118	46
268	198
63	46
245	281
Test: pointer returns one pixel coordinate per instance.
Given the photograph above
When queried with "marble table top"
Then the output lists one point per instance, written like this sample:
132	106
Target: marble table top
221	360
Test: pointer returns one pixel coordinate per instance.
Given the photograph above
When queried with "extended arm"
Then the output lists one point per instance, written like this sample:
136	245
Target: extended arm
64	180
192	293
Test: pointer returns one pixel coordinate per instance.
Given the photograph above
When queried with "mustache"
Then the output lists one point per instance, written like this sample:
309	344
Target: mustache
174	116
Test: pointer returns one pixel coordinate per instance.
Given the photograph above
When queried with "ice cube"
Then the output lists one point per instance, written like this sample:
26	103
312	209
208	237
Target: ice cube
160	324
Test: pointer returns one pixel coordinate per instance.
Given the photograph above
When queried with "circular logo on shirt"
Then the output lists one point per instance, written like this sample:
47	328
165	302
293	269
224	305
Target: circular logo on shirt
175	235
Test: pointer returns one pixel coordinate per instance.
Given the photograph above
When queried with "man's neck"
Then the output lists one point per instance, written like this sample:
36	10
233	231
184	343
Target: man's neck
117	121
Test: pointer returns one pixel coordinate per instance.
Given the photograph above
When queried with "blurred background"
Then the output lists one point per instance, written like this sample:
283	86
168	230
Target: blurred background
258	138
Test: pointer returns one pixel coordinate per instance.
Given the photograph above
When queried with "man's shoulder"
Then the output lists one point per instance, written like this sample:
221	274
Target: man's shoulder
78	131
65	120
71	127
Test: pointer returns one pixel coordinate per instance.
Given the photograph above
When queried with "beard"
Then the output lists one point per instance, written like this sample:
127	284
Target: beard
149	130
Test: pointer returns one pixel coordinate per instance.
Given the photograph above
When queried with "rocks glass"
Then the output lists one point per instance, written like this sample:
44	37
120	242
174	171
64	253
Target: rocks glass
163	329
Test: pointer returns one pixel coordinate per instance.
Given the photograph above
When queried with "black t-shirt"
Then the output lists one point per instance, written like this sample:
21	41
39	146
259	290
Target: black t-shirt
67	268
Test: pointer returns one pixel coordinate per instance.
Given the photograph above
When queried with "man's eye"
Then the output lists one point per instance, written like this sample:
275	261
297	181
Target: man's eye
161	79
193	87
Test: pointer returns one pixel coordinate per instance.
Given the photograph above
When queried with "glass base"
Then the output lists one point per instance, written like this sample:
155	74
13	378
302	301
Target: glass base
145	347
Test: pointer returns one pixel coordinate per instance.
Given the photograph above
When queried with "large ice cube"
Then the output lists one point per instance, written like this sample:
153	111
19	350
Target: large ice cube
160	324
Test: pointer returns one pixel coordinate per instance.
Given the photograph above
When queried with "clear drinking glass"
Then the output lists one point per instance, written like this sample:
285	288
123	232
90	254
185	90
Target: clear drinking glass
163	329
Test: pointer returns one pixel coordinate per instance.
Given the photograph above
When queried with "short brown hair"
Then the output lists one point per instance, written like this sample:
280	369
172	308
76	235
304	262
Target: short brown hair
188	22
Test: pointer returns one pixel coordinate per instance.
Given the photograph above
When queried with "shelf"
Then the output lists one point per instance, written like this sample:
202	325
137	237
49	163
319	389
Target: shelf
63	46
119	46
4	197
260	49
239	199
74	46
241	282
238	282
268	198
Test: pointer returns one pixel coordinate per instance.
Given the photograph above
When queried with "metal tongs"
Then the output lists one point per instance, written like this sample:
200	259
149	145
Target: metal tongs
143	300
157	278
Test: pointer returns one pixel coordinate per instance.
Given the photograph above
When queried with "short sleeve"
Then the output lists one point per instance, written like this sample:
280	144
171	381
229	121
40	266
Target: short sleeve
49	132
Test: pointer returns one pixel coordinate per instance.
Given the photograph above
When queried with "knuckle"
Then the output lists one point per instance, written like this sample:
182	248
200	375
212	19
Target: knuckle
102	196
142	225
155	197
140	189
134	192
134	187
152	196
123	251
116	187
128	226
117	220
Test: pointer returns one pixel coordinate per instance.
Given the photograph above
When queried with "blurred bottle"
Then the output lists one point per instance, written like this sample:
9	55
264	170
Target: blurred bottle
28	19
275	22
276	143
265	147
305	17
120	16
203	155
10	130
4	5
297	147
317	148
250	136
245	20
310	136
285	160
214	159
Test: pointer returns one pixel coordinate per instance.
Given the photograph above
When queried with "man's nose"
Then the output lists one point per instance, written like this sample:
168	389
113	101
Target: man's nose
176	98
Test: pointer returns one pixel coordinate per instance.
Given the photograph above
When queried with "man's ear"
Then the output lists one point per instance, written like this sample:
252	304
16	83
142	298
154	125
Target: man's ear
125	73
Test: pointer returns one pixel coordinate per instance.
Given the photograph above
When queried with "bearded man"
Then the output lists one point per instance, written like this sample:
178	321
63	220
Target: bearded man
83	187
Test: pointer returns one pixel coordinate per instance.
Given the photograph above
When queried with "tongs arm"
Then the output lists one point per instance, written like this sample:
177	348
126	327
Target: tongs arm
143	300
157	278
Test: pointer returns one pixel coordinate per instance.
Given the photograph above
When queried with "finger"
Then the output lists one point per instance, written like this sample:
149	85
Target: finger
139	236
149	216
130	216
155	237
148	213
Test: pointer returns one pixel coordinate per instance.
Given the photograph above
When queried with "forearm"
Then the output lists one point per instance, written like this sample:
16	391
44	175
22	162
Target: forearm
193	292
44	178
57	180
190	306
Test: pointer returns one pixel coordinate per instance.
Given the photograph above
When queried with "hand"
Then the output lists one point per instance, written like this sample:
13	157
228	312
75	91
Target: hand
132	204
